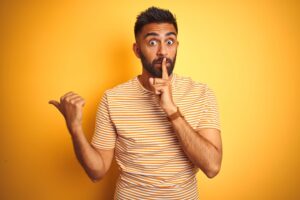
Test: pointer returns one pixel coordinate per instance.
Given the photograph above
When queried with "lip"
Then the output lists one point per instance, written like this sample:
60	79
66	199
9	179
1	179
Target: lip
160	63
159	66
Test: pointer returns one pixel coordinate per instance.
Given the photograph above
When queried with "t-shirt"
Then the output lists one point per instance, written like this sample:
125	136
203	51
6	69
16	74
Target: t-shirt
149	155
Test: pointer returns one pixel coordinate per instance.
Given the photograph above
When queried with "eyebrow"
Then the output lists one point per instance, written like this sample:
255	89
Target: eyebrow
156	34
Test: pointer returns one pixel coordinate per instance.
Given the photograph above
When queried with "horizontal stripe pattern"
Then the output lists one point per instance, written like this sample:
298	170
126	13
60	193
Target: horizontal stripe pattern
148	153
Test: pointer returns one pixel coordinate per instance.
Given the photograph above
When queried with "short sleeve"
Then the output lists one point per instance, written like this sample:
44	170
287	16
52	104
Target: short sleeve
105	134
209	112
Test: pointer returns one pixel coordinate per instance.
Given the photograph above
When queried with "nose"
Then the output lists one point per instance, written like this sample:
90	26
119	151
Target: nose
162	51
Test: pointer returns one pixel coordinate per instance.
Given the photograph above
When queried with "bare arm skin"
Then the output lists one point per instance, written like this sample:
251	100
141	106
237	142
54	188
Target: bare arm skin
203	148
95	162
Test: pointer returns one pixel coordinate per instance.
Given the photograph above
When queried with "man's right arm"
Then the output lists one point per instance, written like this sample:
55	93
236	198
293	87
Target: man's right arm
96	162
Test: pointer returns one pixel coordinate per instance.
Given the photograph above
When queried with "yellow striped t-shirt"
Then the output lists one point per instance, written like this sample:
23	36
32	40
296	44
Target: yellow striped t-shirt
150	158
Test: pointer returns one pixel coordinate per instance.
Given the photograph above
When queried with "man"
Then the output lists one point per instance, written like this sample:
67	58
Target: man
161	127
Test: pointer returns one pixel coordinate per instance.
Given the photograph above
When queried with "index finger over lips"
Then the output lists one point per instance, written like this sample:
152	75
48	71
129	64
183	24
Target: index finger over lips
164	69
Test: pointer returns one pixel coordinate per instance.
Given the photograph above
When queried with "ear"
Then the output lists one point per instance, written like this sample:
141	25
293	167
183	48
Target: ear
136	50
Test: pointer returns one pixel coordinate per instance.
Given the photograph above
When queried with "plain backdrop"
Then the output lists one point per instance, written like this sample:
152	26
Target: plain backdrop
246	51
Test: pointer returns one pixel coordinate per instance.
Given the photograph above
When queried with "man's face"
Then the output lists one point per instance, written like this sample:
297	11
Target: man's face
155	42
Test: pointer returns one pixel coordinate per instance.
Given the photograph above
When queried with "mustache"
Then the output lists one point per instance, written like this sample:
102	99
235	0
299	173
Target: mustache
159	60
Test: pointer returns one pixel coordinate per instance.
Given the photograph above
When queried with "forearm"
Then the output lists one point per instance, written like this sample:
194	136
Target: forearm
198	149
88	157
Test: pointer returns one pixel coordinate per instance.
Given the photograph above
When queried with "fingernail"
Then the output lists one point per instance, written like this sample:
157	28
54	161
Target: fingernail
151	80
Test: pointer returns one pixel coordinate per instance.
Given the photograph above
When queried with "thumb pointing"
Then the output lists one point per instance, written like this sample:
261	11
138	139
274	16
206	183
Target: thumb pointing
55	103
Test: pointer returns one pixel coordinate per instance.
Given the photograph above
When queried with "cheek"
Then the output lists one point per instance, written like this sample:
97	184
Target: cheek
173	49
149	50
173	52
149	53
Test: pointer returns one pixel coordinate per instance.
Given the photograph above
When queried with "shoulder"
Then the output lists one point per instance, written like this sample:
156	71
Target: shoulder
124	88
186	83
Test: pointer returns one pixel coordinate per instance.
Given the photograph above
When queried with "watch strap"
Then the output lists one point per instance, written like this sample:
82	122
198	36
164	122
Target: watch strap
175	115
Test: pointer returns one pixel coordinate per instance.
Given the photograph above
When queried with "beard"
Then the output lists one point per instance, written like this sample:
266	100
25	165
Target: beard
156	72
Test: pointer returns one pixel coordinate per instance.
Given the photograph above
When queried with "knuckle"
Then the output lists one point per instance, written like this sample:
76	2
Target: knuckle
78	105
68	94
77	99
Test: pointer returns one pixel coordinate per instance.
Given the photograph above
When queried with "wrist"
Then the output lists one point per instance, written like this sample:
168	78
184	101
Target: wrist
75	129
171	110
175	115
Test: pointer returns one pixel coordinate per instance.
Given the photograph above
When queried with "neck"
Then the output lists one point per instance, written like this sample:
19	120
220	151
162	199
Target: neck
144	79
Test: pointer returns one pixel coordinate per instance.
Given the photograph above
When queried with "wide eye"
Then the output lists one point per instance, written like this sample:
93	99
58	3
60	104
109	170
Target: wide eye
152	42
170	42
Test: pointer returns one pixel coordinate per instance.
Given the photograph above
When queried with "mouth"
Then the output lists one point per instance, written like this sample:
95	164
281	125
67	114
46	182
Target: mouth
160	63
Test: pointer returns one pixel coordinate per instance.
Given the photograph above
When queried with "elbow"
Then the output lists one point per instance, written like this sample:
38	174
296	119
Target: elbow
213	168
96	179
96	176
213	171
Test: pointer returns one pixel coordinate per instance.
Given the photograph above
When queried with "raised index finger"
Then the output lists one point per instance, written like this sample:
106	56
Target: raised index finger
164	69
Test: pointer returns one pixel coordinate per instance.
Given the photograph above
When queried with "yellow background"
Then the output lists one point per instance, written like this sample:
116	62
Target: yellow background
246	51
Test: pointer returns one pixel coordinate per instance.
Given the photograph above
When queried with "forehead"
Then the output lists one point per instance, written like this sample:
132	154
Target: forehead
159	28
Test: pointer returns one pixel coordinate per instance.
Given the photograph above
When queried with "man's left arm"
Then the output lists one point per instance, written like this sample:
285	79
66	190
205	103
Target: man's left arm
203	147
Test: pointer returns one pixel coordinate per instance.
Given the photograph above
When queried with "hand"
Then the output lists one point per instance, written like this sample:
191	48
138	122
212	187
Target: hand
163	89
70	106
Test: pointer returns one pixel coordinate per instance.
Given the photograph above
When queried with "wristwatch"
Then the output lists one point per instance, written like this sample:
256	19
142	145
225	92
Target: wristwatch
175	115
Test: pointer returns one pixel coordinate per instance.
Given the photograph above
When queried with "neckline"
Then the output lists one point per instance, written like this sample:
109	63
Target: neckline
144	90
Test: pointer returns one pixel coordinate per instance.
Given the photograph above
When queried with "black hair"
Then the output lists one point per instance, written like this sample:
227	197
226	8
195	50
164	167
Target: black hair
154	15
